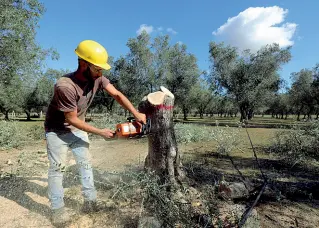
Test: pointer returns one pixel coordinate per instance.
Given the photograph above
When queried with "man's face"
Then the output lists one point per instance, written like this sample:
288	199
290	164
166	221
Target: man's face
93	72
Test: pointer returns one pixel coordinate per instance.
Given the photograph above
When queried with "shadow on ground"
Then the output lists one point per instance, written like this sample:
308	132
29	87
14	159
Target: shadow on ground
31	193
17	188
297	183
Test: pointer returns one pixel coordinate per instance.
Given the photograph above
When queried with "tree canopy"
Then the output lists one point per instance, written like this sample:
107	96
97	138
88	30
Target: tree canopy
21	58
249	77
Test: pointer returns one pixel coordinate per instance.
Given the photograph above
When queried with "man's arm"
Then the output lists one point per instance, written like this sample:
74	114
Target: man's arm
122	100
72	118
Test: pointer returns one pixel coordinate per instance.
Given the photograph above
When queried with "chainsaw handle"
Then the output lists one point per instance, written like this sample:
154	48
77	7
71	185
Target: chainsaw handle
146	127
130	119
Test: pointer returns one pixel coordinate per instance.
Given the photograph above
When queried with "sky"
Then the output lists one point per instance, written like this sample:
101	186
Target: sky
240	23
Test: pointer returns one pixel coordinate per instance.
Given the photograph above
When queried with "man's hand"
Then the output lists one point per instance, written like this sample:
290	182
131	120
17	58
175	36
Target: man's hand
106	133
140	117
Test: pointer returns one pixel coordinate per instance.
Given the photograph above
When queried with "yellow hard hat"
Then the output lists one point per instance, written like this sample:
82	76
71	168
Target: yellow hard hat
94	53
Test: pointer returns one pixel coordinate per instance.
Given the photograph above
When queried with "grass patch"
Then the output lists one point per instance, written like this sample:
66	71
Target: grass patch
186	133
299	144
11	135
15	134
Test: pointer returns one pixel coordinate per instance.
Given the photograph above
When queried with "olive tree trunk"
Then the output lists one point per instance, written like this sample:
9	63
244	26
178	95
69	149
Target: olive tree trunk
163	155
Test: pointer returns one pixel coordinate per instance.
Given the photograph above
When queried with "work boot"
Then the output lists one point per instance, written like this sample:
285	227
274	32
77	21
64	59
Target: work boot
92	206
60	217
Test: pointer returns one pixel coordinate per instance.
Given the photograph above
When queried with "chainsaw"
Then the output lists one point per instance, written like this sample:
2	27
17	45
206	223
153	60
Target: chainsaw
132	128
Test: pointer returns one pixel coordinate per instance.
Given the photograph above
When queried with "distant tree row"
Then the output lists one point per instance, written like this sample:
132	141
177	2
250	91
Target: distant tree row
301	98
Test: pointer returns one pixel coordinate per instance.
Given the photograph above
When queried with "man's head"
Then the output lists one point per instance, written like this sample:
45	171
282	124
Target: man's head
92	58
89	70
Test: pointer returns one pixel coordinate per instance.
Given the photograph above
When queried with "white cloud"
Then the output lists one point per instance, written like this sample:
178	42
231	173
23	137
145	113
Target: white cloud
170	30
160	29
146	28
256	27
180	43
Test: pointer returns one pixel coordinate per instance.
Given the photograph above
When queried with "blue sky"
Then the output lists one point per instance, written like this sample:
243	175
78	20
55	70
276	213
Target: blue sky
112	23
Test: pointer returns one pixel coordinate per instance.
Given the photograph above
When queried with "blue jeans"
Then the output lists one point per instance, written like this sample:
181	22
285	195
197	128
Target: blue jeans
57	147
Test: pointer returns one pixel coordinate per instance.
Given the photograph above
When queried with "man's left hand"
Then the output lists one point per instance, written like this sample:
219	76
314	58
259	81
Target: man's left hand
140	117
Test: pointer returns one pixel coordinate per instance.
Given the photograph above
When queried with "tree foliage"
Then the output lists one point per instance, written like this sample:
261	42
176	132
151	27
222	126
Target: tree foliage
42	93
184	73
202	95
150	64
248	77
21	58
301	91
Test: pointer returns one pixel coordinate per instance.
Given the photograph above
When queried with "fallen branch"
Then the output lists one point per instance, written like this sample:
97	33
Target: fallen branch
247	213
270	218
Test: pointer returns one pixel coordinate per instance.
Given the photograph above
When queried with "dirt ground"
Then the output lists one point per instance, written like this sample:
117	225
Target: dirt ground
24	202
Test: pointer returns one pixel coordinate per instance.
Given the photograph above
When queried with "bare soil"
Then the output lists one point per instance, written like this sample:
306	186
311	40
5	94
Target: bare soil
23	186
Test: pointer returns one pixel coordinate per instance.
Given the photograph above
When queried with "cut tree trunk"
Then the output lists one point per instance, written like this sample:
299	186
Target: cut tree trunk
163	155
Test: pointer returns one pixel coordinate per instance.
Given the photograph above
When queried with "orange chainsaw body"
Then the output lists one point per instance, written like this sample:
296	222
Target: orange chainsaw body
128	129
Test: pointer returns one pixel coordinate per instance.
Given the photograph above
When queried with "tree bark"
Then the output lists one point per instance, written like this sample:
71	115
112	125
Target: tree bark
7	115
201	115
185	111
28	115
250	114
309	114
163	155
243	114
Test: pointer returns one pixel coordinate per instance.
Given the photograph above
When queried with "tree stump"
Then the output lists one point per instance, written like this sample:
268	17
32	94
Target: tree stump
163	155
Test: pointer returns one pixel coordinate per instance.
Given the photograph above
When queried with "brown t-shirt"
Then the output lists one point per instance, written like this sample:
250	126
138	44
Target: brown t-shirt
71	94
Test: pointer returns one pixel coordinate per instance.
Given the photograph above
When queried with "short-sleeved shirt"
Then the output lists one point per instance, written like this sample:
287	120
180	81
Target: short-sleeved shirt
71	94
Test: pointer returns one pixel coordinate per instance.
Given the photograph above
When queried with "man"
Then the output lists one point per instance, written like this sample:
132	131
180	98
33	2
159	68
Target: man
66	128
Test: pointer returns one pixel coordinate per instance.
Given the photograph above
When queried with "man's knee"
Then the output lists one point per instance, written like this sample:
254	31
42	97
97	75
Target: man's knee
57	167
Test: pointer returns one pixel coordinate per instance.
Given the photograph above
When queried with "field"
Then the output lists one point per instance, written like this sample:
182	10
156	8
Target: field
23	183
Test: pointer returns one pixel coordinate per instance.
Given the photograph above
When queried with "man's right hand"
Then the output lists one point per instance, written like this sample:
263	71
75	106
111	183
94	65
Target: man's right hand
107	133
140	117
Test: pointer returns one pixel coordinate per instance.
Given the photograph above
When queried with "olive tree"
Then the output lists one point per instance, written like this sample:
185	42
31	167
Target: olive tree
21	58
248	77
